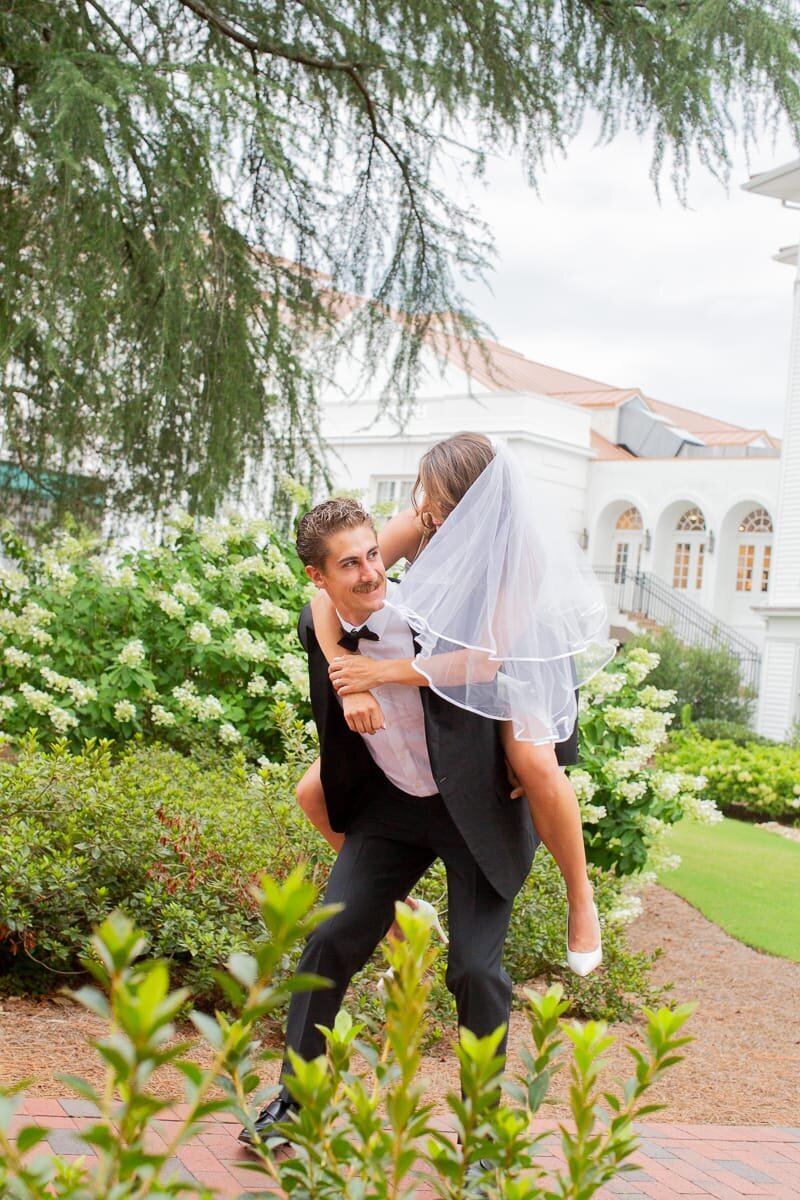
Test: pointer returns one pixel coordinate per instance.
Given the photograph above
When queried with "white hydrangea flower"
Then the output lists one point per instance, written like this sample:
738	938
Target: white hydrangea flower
273	612
132	653
13	581
254	564
200	634
246	646
592	813
229	734
219	616
169	605
125	577
209	709
257	685
36	615
81	693
181	519
7	703
213	543
655	697
16	657
281	689
605	683
61	719
627	909
582	783
296	670
186	697
705	812
41	702
40	637
186	592
210	570
632	789
638	664
124	710
162	716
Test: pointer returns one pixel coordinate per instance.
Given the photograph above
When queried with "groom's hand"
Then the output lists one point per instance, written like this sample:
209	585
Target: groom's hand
362	713
517	789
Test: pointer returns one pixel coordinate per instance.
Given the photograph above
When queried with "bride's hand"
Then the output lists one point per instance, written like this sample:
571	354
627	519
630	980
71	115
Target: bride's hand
354	673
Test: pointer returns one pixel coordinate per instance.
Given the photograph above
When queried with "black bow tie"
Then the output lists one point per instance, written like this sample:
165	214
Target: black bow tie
350	639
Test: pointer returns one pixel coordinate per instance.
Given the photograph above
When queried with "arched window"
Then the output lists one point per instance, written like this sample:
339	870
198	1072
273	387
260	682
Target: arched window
690	551
630	519
754	552
757	521
627	542
692	521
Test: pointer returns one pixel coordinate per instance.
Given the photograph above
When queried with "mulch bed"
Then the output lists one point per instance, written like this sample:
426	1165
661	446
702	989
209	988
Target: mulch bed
742	1068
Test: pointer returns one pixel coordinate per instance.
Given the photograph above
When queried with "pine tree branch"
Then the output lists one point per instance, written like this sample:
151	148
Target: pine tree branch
257	46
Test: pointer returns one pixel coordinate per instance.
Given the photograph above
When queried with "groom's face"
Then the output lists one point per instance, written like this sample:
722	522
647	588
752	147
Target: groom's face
353	573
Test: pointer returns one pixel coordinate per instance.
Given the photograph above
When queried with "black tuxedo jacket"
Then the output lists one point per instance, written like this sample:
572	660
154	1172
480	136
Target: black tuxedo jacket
467	763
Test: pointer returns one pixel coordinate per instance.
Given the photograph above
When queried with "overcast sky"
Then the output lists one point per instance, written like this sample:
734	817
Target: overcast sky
596	276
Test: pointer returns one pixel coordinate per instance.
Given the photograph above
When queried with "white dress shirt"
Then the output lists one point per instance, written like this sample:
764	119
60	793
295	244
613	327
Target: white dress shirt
400	750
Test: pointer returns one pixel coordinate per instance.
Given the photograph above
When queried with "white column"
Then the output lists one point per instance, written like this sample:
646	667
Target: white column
779	693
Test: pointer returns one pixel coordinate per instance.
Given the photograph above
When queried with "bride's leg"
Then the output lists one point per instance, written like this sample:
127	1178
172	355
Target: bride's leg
555	813
311	799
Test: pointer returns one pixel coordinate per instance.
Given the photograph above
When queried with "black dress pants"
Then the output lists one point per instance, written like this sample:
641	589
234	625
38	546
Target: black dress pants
391	844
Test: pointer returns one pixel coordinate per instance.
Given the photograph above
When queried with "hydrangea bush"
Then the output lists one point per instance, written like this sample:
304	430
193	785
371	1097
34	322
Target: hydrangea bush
754	780
627	801
191	640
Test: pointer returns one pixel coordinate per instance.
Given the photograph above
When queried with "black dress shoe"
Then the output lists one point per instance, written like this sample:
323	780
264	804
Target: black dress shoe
280	1109
476	1171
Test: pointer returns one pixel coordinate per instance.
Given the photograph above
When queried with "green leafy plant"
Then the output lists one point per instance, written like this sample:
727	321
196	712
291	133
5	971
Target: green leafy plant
704	677
729	731
627	801
190	642
178	841
358	1132
750	779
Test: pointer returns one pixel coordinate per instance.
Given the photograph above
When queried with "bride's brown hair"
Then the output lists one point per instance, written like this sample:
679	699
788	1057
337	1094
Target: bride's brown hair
449	469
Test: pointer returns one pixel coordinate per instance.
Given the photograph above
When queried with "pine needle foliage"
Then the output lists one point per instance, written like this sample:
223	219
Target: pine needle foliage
203	203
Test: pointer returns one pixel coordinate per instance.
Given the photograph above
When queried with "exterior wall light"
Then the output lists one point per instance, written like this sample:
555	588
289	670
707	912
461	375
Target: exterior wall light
648	539
710	541
583	539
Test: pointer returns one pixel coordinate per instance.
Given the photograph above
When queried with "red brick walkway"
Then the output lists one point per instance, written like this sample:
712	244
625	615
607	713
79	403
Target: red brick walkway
675	1161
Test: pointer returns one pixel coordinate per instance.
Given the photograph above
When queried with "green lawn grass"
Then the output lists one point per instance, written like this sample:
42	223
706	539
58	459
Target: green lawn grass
744	879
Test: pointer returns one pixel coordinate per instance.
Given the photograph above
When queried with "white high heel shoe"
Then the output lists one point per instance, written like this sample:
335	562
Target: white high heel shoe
583	962
429	913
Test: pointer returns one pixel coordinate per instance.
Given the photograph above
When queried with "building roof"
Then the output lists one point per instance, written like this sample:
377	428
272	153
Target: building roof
498	368
606	450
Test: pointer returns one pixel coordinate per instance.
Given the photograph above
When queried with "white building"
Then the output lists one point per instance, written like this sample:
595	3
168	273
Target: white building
676	509
779	697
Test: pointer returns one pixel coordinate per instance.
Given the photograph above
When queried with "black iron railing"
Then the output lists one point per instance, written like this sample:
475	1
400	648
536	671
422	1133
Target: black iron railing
643	594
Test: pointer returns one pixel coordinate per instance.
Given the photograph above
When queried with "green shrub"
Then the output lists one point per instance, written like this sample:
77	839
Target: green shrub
705	678
178	842
729	731
759	780
627	802
187	642
379	1137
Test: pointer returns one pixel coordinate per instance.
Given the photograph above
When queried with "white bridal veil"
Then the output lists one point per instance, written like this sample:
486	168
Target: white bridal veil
507	611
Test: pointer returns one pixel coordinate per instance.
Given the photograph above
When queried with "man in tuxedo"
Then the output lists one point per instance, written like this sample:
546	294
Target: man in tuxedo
432	784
